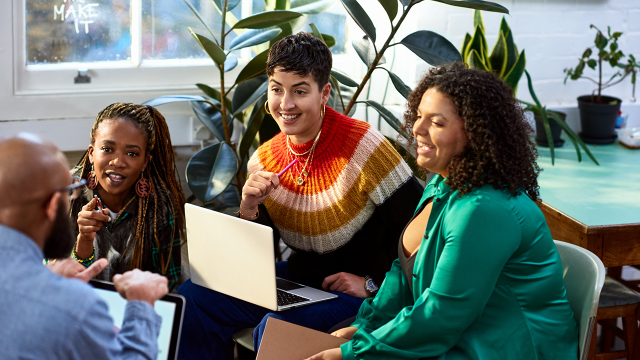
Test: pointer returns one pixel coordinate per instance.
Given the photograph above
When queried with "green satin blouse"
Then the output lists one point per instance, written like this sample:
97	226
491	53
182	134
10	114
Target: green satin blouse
487	284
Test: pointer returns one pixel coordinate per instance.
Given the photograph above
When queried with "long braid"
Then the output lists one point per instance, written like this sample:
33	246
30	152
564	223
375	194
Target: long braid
162	169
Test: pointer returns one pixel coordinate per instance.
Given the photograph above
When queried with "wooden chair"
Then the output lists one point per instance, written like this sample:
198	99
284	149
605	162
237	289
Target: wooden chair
617	301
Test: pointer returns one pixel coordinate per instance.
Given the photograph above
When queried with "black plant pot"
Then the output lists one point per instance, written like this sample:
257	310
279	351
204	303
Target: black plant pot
598	120
541	134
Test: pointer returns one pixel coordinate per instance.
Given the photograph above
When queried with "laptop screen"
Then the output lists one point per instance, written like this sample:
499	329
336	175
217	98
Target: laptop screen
168	308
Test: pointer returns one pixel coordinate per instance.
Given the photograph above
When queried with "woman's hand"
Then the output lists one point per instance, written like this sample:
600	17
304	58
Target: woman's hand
331	354
345	333
90	221
257	188
346	283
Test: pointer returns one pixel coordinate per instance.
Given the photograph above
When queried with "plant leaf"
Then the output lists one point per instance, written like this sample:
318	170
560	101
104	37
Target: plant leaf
388	116
311	7
479	44
195	12
256	67
252	38
476	4
253	126
211	118
478	20
286	30
512	52
391	7
266	19
248	92
211	170
161	100
213	93
212	49
329	40
343	78
361	18
362	49
402	88
230	5
498	58
465	44
230	63
513	76
316	33
531	92
431	47
573	136
336	86
475	61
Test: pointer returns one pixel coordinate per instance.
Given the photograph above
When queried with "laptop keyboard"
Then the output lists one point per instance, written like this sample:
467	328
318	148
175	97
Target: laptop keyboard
285	298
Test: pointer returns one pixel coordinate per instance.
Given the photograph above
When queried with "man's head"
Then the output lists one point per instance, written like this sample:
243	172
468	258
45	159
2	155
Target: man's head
32	173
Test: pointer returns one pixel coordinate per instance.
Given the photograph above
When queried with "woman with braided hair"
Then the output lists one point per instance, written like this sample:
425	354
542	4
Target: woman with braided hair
132	212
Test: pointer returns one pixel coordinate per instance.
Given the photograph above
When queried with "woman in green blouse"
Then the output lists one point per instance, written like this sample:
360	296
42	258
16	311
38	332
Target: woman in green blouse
484	280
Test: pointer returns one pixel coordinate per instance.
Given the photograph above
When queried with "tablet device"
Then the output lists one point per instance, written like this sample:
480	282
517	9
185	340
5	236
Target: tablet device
170	308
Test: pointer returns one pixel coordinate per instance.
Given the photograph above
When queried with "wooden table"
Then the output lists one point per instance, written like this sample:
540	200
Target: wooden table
595	207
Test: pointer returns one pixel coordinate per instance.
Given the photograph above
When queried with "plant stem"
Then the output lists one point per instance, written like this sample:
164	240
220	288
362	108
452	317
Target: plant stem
377	59
599	78
223	107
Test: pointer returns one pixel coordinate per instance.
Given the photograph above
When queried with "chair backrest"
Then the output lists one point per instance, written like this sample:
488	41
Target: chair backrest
583	276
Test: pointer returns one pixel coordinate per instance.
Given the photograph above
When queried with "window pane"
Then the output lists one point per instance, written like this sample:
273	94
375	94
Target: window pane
165	28
62	31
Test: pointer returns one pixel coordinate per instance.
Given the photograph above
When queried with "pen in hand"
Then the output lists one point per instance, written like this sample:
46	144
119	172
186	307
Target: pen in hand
287	168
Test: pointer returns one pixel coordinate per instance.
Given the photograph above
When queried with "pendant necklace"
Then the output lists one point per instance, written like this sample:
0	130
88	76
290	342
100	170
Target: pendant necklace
304	173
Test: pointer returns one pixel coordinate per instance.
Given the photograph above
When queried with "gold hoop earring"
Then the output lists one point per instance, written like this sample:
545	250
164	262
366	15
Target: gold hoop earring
266	107
324	111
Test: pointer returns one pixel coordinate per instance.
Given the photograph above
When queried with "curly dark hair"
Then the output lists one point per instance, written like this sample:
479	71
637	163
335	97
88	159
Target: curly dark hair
301	54
499	151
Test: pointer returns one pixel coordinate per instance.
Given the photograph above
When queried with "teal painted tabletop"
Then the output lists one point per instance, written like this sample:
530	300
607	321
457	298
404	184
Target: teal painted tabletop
608	194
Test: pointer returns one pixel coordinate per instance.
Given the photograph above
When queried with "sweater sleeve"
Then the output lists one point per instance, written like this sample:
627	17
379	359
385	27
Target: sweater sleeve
479	238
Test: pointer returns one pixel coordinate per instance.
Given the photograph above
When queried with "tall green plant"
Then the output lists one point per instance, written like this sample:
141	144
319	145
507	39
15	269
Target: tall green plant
214	168
503	60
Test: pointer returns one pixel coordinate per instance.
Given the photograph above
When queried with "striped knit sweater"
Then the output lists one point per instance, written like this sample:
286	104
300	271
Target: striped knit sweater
354	171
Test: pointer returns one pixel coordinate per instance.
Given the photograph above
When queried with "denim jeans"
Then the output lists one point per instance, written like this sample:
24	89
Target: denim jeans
211	318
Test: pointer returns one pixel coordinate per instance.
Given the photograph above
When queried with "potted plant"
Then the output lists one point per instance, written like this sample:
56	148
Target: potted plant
598	113
505	61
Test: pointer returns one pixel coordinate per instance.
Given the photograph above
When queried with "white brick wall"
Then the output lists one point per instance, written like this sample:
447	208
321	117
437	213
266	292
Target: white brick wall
554	34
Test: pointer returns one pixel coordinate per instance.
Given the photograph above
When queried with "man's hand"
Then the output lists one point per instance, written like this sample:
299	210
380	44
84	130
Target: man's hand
141	285
346	283
345	333
331	354
70	268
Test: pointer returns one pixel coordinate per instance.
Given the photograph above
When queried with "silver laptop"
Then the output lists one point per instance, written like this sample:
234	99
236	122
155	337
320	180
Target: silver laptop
235	257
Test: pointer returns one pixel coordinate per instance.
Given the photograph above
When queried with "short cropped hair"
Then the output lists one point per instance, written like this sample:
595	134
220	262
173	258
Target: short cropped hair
301	54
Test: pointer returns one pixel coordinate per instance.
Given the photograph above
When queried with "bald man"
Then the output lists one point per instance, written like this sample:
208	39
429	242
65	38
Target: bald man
50	312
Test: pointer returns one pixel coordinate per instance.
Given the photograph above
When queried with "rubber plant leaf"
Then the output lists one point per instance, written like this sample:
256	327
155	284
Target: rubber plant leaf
253	126
388	116
402	88
476	4
212	49
161	100
211	170
329	40
514	74
498	57
252	38
310	7
431	47
211	118
195	12
336	86
391	7
230	63
343	78
266	19
362	49
361	18
256	67
213	93
230	5
248	92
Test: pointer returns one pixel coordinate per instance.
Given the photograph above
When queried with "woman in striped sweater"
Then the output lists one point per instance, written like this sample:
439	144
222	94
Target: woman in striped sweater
341	207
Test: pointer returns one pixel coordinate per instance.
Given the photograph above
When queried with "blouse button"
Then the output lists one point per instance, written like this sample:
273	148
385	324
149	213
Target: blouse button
437	199
426	236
